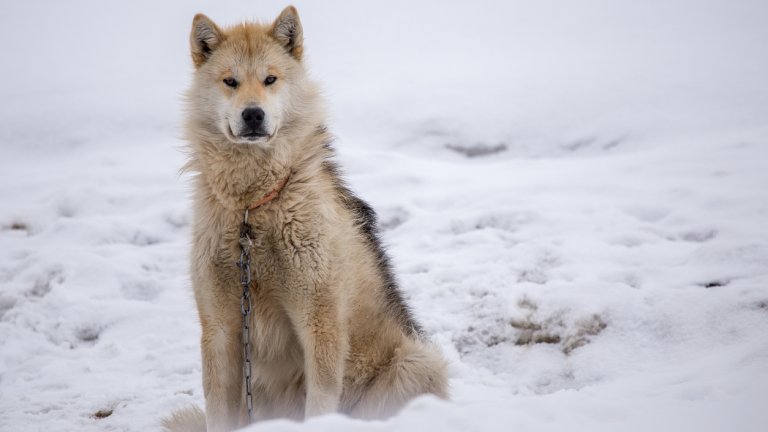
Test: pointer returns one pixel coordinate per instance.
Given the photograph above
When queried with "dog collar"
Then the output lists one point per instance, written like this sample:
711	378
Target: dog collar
272	195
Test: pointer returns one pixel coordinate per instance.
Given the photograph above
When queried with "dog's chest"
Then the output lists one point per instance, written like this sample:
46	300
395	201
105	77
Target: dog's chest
269	254
277	250
272	335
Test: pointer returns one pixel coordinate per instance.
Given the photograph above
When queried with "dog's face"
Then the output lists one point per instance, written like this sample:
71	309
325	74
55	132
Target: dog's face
244	74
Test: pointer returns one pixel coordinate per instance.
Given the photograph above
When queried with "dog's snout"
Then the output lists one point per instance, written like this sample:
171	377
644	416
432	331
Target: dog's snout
253	124
253	117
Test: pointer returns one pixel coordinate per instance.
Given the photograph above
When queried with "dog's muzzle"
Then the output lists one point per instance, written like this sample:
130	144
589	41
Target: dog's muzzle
253	124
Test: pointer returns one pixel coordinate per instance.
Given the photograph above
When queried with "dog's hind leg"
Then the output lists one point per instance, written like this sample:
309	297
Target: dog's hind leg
416	368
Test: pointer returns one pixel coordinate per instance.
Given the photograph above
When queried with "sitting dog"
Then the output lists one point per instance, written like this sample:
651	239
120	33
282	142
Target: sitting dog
326	328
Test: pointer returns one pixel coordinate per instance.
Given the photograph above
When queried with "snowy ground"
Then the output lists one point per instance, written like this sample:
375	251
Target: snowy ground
573	194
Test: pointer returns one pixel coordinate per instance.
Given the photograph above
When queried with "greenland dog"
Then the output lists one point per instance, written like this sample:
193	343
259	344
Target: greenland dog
329	330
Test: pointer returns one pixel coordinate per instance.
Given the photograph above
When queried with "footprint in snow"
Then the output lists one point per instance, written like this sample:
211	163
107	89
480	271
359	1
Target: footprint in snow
45	283
392	217
715	283
88	334
647	213
144	289
479	149
6	304
698	236
16	226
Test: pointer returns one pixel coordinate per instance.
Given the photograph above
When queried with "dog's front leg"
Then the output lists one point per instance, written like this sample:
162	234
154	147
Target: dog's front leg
322	333
222	372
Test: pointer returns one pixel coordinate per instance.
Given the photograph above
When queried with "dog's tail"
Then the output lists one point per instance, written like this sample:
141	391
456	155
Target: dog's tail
186	420
416	368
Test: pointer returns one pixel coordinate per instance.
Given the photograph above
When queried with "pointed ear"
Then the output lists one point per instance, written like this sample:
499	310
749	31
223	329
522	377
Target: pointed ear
204	39
287	31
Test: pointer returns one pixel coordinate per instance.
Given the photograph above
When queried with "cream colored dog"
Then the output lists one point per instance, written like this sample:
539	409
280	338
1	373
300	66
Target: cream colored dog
329	329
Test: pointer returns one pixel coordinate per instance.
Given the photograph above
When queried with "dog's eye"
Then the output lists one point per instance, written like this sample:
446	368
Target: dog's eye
230	82
270	80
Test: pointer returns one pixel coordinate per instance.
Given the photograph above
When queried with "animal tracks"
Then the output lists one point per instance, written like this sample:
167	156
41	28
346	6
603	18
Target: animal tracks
530	327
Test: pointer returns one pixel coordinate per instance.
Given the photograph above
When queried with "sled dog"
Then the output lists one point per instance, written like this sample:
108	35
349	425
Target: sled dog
329	330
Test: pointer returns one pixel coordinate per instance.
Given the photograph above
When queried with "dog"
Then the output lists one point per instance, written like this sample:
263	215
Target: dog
329	330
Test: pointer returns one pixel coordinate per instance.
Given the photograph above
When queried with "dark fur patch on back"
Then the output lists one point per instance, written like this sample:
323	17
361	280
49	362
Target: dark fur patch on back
366	219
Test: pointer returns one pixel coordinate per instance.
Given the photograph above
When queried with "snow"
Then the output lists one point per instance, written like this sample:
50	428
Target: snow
573	195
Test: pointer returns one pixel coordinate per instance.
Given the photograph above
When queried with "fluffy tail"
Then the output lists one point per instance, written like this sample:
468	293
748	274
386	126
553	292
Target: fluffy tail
417	368
186	420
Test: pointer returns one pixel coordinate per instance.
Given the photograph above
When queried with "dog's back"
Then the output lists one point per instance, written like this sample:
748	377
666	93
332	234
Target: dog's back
390	358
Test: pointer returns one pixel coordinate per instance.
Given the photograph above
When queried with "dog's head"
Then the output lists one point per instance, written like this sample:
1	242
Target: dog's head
247	78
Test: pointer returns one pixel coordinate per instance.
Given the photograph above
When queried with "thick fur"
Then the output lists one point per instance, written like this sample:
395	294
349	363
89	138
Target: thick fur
330	331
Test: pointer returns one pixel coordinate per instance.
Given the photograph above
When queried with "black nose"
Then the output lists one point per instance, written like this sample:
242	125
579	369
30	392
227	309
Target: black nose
253	117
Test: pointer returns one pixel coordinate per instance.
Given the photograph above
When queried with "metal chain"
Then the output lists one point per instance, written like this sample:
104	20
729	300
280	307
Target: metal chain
245	307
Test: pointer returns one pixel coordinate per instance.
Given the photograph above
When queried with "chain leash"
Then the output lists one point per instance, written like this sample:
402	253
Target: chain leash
245	307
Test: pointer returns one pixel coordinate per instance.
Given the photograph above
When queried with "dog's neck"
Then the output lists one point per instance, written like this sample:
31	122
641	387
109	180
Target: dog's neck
239	177
271	195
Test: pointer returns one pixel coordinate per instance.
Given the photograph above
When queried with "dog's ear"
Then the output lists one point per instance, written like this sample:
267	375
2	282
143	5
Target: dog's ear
204	39
287	30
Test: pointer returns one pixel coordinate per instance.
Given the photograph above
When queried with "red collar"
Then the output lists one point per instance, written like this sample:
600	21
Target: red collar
271	195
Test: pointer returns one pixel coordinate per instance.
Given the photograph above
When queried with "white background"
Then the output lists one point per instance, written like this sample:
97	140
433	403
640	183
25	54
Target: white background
599	263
